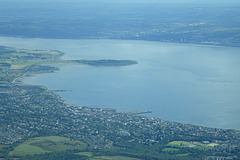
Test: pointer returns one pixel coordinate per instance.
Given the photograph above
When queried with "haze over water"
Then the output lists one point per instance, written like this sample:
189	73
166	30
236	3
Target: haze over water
179	82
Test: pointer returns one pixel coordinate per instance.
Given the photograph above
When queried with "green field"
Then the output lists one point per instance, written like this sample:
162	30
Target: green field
15	66
170	150
40	145
212	144
113	158
178	143
195	145
88	154
14	63
183	155
91	157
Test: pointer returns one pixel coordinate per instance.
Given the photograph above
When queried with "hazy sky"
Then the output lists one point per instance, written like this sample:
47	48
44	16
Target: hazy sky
203	1
125	1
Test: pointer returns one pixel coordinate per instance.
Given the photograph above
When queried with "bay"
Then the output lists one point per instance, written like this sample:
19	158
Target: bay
186	83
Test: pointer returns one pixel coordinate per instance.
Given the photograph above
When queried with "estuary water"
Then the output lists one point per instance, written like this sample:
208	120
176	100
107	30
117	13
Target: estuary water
186	83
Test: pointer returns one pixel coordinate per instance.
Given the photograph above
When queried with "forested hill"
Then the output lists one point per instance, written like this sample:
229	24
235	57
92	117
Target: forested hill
216	24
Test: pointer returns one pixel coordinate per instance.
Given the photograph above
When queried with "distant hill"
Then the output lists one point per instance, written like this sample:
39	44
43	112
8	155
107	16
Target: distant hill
216	24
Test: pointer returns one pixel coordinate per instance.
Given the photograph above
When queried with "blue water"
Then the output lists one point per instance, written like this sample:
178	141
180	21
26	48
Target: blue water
194	84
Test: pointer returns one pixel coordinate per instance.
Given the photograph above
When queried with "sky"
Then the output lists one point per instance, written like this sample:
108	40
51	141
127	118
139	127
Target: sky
204	1
126	1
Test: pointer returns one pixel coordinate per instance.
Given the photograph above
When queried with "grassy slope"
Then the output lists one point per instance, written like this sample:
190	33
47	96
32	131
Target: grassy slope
41	145
113	158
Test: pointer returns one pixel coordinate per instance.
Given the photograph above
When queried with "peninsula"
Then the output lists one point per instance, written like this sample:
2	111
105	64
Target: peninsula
106	62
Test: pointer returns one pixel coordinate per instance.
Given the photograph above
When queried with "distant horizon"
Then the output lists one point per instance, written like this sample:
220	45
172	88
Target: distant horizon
228	2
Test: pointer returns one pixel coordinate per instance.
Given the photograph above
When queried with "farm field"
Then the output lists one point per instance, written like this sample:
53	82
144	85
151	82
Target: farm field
41	145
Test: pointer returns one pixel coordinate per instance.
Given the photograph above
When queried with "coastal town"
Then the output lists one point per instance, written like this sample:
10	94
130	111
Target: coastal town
28	111
31	111
37	124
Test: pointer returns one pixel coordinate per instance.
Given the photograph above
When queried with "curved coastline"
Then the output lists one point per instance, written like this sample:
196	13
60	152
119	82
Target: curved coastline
116	71
36	111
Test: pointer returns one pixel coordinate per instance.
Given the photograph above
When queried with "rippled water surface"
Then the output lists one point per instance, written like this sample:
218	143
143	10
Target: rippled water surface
179	82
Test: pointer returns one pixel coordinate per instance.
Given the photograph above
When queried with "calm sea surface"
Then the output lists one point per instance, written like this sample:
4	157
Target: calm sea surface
179	82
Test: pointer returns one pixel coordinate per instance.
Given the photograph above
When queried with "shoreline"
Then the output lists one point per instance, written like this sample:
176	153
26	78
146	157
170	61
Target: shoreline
136	113
27	74
162	41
